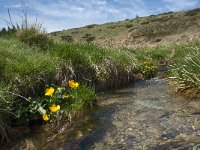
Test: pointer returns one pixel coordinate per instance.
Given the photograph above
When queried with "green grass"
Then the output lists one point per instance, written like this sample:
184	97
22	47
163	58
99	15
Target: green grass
185	74
6	111
90	60
24	66
86	99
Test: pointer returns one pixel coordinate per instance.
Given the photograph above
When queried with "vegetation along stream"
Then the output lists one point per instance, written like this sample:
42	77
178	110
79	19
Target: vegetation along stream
146	116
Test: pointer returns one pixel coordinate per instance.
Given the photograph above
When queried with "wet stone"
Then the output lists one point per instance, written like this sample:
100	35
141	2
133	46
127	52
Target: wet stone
172	146
196	113
166	114
131	139
79	134
170	135
196	146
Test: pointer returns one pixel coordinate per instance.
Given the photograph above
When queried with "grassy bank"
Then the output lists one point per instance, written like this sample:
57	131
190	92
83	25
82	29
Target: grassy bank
180	63
43	80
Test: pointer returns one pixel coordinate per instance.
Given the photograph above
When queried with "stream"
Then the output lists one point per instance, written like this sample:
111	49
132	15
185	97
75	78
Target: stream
146	116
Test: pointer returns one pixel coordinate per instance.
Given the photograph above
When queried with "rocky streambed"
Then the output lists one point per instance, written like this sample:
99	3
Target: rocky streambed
147	116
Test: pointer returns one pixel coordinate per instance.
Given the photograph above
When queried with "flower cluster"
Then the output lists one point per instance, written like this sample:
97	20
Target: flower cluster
148	69
57	99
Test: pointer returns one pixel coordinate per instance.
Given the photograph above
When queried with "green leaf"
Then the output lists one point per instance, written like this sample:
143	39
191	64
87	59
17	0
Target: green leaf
42	110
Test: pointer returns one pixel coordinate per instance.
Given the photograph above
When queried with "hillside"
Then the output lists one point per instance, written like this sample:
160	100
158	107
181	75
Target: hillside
166	28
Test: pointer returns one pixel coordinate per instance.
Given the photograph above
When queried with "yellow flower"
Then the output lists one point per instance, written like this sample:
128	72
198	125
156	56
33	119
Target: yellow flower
54	108
45	117
49	91
73	84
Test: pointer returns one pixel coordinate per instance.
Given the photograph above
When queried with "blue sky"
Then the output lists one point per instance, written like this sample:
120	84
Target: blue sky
57	15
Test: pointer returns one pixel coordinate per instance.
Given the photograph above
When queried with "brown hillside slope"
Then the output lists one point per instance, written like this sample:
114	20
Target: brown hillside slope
162	29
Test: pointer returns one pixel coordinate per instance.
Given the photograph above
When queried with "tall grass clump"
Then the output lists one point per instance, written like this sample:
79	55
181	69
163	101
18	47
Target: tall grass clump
31	34
35	36
94	64
185	73
24	66
6	111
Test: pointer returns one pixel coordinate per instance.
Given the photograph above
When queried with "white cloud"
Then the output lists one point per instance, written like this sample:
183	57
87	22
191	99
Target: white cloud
63	14
88	9
12	6
99	2
176	5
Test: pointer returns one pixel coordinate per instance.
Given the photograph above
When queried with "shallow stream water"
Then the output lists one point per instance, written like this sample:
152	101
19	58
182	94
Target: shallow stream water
147	116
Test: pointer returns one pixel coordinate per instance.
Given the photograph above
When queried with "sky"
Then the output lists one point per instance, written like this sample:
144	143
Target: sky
57	15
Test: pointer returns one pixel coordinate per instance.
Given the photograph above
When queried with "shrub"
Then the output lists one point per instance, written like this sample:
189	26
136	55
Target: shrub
91	26
88	37
128	25
3	31
67	38
192	12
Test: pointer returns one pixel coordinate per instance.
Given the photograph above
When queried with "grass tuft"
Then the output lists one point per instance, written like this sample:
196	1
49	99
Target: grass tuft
35	36
185	74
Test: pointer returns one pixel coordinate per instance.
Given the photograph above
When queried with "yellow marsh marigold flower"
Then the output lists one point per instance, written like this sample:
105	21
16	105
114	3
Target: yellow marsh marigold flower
73	84
54	108
45	117
49	91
